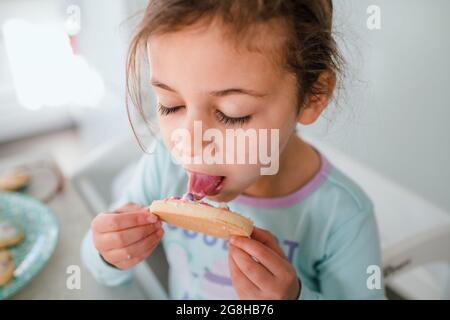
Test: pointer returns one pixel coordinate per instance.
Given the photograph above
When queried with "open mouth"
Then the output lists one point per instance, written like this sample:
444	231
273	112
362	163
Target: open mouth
201	185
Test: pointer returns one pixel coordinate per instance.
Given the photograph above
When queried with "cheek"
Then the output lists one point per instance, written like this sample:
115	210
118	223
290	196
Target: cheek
167	126
286	123
166	130
277	126
286	132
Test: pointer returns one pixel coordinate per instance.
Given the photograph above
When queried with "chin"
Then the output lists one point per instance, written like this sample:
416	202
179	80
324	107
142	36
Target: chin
226	197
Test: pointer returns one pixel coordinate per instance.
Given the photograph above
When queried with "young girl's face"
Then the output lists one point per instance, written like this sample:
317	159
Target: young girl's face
199	74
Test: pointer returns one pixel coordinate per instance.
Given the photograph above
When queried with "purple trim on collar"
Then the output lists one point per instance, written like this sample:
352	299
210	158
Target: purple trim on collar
293	198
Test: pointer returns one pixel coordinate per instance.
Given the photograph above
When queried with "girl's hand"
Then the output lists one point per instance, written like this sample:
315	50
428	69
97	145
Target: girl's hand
127	236
270	277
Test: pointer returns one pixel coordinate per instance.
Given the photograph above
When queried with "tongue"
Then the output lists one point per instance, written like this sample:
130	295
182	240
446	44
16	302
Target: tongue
201	185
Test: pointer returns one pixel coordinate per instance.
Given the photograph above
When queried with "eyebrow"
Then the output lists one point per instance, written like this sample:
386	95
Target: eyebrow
217	93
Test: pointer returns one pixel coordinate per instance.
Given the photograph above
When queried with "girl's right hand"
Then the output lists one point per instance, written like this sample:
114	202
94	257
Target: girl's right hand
126	236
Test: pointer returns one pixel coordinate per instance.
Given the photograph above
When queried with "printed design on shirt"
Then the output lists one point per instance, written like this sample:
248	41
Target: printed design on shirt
179	258
215	281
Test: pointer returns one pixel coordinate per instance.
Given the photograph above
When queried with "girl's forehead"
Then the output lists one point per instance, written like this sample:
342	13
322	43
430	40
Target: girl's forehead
208	53
262	39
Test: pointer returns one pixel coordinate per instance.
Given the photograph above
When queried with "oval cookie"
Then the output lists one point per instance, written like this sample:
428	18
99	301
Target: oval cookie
6	267
14	181
9	234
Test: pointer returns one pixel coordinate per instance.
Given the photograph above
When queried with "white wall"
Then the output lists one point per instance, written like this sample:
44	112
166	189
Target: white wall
395	113
106	28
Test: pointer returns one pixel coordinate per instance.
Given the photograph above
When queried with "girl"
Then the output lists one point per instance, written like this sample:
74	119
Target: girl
256	64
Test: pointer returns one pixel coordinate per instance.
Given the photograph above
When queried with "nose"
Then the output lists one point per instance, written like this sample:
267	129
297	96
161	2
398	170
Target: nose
196	124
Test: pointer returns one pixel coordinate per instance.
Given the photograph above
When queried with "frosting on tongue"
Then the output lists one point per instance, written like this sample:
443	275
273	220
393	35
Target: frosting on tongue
201	185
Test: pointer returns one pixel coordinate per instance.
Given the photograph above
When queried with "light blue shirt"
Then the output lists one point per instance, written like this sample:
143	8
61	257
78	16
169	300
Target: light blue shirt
327	229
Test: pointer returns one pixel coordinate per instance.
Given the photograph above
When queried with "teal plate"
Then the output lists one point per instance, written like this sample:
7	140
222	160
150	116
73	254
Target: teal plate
41	233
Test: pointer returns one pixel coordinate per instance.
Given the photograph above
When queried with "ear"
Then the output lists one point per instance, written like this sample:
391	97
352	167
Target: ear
315	103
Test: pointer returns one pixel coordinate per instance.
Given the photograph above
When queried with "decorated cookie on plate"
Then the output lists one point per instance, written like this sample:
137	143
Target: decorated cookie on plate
10	234
14	181
6	267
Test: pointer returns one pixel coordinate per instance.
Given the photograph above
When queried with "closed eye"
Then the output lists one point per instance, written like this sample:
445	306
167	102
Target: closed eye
164	111
221	117
231	120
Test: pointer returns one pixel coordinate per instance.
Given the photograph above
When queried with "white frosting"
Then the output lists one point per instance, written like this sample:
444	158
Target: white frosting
223	205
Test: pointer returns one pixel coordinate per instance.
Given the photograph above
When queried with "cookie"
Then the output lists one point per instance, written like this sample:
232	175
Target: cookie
6	267
202	217
14	181
9	234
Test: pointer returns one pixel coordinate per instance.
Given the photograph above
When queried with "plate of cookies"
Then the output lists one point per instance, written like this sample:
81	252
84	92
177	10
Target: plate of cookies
28	237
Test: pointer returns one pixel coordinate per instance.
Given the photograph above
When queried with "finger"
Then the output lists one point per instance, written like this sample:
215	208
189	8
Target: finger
267	238
126	264
129	263
120	239
253	270
266	256
134	250
107	222
130	206
245	288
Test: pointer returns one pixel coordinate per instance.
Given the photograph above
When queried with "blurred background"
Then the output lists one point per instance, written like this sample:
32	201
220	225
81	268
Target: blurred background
62	95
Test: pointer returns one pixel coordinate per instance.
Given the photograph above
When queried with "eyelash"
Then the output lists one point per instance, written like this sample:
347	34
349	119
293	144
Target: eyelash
221	117
231	121
164	111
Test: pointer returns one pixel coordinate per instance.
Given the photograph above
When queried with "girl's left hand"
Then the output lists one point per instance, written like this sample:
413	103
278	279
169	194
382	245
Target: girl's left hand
270	276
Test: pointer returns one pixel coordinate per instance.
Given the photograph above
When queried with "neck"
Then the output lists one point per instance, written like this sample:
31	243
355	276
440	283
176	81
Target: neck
299	162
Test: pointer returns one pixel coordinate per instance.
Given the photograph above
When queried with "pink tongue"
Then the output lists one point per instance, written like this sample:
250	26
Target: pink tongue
201	185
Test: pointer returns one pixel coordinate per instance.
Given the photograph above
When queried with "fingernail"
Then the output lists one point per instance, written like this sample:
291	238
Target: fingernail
152	218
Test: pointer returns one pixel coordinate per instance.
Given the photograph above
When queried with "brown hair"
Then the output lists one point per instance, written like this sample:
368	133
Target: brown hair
309	46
